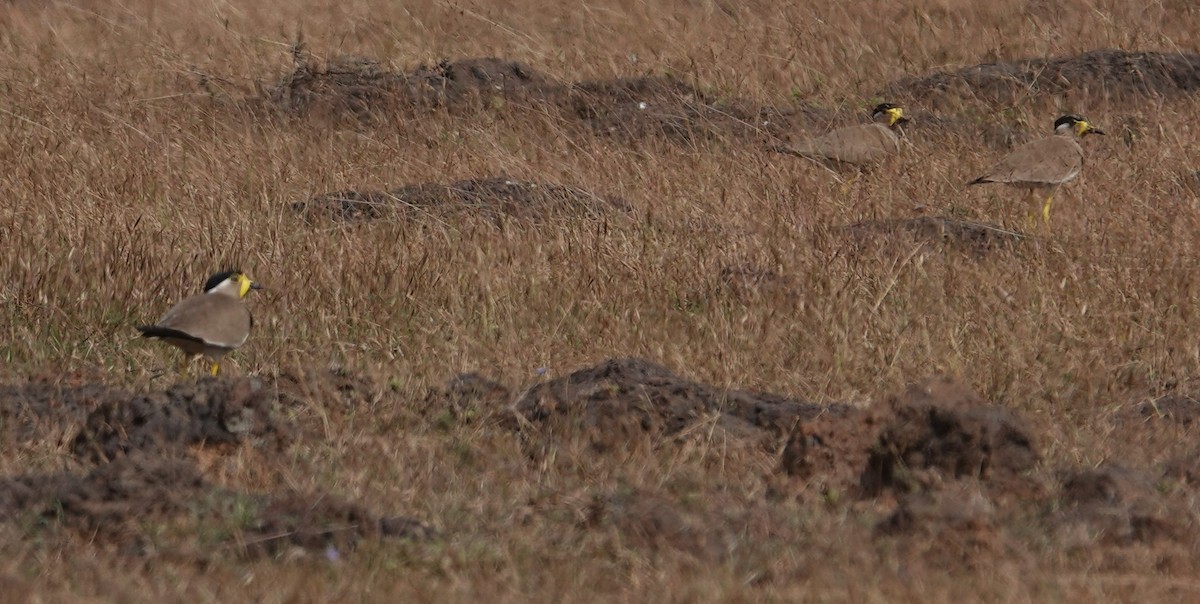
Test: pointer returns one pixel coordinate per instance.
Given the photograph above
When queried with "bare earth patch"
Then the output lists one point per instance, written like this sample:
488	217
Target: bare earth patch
630	108
941	430
209	412
363	87
1181	409
139	473
975	237
827	454
1121	506
1107	74
934	474
952	476
636	108
950	527
491	198
622	398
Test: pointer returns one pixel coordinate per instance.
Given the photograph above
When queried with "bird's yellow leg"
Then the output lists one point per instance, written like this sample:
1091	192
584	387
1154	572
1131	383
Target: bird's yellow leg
1030	216
215	368
1046	209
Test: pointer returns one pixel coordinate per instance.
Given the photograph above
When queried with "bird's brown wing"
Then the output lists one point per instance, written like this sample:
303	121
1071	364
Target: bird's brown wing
216	319
859	145
1047	161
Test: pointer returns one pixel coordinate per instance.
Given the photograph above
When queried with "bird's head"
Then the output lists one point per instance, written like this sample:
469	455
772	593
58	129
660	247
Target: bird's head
889	113
1076	125
230	283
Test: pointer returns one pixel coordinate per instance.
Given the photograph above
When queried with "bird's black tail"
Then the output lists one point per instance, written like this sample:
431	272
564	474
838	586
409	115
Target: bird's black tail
154	331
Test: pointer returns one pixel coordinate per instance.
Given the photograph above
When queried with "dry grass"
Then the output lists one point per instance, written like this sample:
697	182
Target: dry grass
127	181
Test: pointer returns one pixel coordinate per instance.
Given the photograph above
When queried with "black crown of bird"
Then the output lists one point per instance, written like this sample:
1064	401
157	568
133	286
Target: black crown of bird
892	112
220	277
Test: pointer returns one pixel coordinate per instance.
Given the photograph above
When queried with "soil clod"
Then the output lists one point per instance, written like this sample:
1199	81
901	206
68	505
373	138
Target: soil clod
208	411
831	450
140	475
1121	507
942	430
622	397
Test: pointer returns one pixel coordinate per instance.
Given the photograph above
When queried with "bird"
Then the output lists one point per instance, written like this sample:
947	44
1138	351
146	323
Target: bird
210	324
859	146
1043	165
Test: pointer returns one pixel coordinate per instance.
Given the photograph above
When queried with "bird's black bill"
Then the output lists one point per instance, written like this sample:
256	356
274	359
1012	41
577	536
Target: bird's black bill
256	286
1096	131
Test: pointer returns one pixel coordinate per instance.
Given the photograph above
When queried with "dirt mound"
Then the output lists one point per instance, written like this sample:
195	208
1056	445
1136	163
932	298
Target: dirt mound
347	206
322	523
468	396
619	398
38	409
653	522
942	430
1184	468
960	508
642	107
1102	74
124	501
700	518
109	498
630	108
42	399
954	526
1182	409
934	433
209	411
492	198
830	451
144	477
1121	506
977	237
362	87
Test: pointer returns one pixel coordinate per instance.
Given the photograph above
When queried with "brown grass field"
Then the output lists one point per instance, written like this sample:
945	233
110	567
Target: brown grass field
963	408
